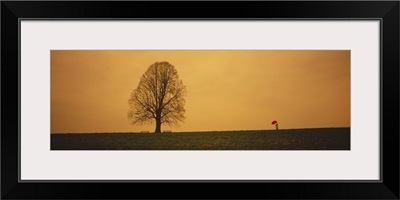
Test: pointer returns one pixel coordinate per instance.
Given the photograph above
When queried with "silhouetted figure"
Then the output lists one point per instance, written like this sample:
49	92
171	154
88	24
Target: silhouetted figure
275	123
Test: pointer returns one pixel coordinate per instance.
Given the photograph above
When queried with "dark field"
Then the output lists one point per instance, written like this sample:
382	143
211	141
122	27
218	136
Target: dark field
292	139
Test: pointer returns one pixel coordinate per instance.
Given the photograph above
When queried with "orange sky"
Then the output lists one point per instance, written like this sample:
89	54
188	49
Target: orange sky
226	90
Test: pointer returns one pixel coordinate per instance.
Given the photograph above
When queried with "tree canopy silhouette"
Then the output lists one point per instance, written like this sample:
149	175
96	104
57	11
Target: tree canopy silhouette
159	97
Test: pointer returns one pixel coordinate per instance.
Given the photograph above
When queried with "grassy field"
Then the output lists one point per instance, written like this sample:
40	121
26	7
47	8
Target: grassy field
292	139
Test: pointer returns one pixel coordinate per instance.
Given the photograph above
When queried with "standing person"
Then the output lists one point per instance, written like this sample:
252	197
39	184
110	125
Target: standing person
276	124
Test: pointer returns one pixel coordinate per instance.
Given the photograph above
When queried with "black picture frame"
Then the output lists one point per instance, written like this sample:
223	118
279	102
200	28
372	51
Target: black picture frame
13	11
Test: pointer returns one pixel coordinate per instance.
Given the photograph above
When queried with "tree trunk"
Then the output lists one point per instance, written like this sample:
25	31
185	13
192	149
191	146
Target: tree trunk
158	126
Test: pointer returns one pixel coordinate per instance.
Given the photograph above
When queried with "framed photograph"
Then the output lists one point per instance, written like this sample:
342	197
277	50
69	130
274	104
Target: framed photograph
115	98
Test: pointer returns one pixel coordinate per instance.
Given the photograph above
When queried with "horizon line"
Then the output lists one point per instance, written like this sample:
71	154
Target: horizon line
170	131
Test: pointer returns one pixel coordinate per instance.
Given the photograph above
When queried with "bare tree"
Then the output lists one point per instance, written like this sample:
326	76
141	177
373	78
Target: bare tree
159	97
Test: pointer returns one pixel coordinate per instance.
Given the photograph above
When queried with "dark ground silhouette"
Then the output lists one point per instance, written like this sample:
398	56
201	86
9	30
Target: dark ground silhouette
292	139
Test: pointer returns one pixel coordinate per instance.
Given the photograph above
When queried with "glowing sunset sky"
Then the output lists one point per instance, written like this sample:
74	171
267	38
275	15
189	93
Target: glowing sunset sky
226	90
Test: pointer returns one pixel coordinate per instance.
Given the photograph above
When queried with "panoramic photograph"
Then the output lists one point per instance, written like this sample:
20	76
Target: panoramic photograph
200	100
